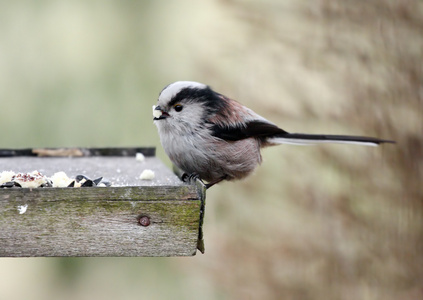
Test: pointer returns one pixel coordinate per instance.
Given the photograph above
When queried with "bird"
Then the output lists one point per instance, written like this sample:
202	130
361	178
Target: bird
215	138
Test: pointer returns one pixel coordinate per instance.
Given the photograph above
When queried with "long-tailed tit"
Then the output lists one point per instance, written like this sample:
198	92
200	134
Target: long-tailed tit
210	136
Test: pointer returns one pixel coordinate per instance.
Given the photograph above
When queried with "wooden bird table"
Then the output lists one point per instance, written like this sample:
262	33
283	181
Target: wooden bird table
132	217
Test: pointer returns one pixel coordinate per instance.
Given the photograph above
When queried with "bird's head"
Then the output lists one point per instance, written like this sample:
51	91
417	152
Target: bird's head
184	106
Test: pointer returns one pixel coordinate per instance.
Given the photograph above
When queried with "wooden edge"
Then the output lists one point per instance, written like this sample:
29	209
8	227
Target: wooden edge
119	193
201	191
78	152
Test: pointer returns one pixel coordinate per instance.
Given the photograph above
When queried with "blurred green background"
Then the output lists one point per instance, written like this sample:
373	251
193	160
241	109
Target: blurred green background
324	222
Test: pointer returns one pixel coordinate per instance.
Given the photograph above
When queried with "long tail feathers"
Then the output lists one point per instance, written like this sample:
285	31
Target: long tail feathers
311	139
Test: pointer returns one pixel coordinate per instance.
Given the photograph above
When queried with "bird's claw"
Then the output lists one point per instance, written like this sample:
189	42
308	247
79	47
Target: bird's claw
190	178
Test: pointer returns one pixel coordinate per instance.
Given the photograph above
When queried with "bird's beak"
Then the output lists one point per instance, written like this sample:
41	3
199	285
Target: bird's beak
158	113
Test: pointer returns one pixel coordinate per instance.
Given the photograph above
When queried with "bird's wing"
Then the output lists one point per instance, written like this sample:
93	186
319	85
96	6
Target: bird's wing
255	128
233	122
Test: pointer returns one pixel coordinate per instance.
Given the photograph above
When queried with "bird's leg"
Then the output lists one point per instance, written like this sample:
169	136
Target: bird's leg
189	178
210	184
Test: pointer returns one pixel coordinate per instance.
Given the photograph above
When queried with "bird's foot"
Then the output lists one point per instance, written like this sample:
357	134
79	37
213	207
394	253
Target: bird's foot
190	178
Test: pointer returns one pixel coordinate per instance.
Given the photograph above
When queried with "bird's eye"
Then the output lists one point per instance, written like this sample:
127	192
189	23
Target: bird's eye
178	107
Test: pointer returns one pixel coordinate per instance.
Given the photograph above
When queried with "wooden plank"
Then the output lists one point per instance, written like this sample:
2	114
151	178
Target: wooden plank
101	221
78	223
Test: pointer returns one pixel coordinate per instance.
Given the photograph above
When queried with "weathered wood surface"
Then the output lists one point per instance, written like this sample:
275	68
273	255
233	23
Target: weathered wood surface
100	221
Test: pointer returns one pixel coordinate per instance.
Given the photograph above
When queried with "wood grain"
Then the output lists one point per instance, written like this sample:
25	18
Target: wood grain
96	222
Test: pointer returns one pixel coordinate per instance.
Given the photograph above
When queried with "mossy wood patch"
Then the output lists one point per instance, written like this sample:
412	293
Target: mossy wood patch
133	217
